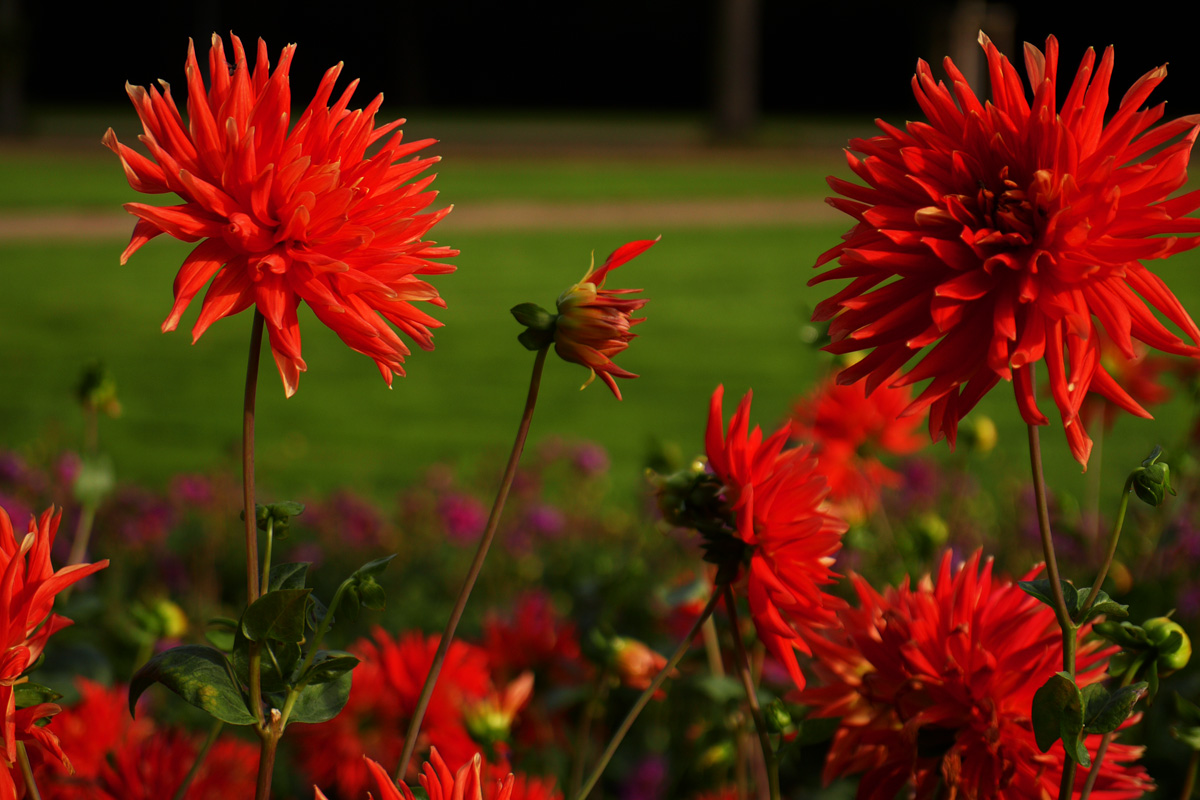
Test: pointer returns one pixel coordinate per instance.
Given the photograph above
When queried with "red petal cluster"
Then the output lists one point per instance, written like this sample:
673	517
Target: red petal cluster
593	322
849	429
382	700
998	234
28	586
117	757
440	783
777	498
287	212
934	686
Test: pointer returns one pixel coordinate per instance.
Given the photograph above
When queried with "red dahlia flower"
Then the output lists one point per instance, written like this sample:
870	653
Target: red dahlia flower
382	700
1002	232
28	586
934	686
439	783
287	212
777	499
849	429
593	322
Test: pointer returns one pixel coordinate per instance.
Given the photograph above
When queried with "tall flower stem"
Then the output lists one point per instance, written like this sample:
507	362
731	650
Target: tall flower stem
645	696
583	737
248	458
760	725
1060	604
1189	782
1113	538
27	771
269	735
510	471
211	739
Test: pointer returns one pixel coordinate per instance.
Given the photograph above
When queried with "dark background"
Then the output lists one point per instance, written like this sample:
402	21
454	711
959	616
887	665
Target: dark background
838	57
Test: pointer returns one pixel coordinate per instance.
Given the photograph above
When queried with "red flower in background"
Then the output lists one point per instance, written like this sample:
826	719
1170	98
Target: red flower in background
1137	376
593	322
28	586
777	498
286	213
934	685
382	699
1000	233
536	638
848	430
119	758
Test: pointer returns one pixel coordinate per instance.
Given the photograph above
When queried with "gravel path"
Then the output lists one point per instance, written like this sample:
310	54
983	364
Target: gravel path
83	225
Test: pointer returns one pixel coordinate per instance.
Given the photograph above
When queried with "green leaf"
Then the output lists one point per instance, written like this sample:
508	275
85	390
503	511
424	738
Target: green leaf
373	568
320	702
1103	606
1105	712
1123	634
278	615
720	689
278	662
198	674
1042	590
223	640
1058	715
31	694
1187	711
289	576
328	665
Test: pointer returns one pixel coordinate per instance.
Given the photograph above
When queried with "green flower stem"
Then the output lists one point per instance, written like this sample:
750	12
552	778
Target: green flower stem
266	565
510	471
1102	749
318	637
760	725
1060	604
1189	782
248	458
1113	538
213	733
642	700
583	737
27	771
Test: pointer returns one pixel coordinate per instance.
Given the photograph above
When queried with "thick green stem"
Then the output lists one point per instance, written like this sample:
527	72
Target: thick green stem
256	332
213	733
265	584
760	725
510	471
27	771
644	698
1060	604
1113	538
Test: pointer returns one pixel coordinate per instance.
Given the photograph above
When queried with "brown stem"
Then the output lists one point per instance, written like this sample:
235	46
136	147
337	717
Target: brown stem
1189	782
760	725
510	471
266	760
644	698
248	458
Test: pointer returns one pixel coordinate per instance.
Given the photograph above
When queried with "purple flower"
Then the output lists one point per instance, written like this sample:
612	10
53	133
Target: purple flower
463	517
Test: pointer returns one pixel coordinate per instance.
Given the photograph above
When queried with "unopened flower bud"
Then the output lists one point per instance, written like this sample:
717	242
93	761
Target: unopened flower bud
636	664
1152	481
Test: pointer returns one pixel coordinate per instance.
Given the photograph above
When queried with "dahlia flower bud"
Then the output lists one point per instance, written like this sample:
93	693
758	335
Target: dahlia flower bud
593	322
636	664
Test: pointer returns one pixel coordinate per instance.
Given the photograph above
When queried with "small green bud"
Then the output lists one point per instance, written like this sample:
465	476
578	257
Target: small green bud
1152	480
778	719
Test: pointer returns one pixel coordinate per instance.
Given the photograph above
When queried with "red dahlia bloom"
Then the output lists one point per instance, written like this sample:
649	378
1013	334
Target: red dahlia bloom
382	700
593	322
777	498
28	586
440	783
286	213
849	429
1000	233
934	686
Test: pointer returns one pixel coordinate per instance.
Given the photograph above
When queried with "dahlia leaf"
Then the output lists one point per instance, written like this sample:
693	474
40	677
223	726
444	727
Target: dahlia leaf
1058	714
1103	606
277	615
320	702
328	665
279	661
1104	712
31	694
289	576
1042	590
200	675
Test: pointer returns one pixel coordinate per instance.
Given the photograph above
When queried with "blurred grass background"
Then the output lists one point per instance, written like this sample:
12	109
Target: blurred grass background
728	304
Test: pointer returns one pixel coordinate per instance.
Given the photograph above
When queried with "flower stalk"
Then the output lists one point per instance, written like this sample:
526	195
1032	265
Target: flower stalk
209	741
485	542
27	771
743	667
256	333
646	695
1113	539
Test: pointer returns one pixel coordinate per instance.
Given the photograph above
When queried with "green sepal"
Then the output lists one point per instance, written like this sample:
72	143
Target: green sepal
1123	634
534	317
201	676
278	615
278	514
364	590
31	694
1104	712
534	340
319	702
373	568
328	665
1058	715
